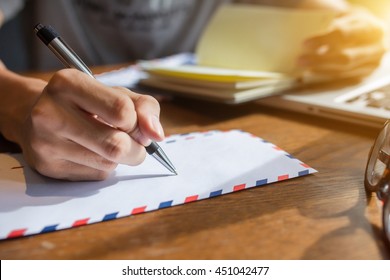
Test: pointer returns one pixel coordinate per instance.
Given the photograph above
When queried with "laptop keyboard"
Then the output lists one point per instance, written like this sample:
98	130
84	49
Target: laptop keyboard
379	98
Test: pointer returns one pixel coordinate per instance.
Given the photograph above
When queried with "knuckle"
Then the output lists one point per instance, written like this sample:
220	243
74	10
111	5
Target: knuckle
39	116
44	167
116	146
142	98
119	148
60	79
107	165
123	109
150	99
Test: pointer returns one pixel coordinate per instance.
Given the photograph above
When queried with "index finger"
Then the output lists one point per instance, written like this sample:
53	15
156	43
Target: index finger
80	91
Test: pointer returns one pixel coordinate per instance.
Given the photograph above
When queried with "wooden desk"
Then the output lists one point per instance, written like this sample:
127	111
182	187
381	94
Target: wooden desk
320	216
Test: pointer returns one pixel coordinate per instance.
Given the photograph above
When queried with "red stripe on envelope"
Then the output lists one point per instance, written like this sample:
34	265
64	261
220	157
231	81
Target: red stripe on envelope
80	222
282	177
138	210
191	198
239	187
17	233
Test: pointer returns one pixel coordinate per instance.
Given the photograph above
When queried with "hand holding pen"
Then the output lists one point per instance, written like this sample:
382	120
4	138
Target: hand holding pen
69	142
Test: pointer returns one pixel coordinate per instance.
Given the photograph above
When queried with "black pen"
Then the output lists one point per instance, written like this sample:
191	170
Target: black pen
71	60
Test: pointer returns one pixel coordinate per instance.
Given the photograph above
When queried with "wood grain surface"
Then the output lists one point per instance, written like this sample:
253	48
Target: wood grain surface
326	215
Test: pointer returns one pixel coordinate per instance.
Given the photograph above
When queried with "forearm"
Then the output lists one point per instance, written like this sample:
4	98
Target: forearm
17	95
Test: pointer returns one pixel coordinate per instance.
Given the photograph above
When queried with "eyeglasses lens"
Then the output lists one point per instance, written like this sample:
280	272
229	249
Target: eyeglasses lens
377	163
377	174
386	218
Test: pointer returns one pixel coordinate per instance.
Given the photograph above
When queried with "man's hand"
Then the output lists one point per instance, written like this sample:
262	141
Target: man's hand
80	129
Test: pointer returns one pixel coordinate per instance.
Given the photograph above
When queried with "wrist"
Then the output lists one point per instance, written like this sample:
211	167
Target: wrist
18	94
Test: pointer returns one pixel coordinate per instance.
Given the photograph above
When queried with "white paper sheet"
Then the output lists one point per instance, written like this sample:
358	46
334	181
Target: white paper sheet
209	164
131	75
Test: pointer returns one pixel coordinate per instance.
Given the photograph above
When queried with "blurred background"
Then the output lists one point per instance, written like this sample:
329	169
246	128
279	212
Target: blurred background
14	40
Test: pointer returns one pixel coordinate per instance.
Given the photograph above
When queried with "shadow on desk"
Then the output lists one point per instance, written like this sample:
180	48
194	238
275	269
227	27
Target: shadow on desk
8	147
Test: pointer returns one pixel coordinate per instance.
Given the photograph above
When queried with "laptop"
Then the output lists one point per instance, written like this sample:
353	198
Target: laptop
366	102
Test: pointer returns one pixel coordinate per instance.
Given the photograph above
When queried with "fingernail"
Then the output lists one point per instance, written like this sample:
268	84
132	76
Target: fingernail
157	127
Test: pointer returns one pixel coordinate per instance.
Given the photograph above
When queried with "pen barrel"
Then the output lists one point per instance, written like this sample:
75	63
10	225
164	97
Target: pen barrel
155	150
67	56
64	53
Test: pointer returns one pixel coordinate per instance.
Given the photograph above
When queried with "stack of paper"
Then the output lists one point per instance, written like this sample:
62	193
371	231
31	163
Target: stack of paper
246	52
226	85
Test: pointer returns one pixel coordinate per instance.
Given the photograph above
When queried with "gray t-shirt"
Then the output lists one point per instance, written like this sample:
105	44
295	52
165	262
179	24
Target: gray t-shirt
115	31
